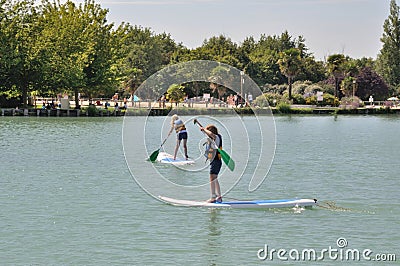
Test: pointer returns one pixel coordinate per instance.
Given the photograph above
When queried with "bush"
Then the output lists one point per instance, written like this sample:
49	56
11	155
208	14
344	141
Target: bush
91	110
278	89
261	101
327	88
283	108
328	99
298	99
312	89
271	99
350	102
299	87
311	100
331	100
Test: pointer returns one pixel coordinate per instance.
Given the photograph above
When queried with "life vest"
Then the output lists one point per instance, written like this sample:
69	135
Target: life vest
179	126
211	152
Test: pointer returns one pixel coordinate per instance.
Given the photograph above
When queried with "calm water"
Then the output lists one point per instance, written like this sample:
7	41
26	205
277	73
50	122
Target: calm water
67	196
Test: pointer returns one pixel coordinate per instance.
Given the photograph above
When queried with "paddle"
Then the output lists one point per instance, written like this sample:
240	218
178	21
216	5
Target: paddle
154	155
224	155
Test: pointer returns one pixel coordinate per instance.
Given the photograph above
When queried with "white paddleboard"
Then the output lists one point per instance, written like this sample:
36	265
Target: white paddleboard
164	157
281	203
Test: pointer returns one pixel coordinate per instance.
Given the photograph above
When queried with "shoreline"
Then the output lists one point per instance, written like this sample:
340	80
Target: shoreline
155	111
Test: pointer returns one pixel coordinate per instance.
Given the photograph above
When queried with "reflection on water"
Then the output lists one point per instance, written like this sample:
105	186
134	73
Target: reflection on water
214	236
214	226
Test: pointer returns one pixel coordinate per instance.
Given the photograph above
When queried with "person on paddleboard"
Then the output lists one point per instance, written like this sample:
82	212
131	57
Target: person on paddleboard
213	143
181	134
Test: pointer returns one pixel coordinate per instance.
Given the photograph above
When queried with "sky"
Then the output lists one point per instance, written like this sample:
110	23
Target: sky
351	27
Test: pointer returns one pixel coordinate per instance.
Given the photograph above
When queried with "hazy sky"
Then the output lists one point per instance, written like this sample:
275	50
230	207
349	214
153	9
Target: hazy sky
352	27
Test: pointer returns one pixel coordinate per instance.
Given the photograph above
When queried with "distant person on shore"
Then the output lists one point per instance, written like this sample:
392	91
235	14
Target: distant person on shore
115	97
181	134
125	103
163	100
250	97
213	143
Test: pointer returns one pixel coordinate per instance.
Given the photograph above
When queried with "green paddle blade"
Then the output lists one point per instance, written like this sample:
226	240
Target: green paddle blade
154	155
227	159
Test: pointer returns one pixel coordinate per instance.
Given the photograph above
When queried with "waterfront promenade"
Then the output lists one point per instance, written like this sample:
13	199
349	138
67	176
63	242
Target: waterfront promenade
101	107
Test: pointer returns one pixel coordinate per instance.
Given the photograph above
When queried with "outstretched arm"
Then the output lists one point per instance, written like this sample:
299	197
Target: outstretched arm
208	132
170	131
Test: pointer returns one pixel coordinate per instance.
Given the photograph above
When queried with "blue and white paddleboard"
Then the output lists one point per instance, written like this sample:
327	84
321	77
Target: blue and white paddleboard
282	203
164	157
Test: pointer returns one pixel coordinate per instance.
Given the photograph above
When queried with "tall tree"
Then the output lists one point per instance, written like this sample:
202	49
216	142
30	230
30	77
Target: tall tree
312	70
290	64
5	48
99	78
175	93
335	65
77	39
20	58
141	53
369	83
349	86
263	58
388	61
219	48
349	83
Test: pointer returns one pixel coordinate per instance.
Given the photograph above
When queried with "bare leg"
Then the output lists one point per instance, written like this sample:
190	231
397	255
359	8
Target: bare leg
215	188
212	185
185	148
178	143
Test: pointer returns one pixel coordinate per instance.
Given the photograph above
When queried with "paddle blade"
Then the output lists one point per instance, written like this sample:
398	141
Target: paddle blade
154	155
227	159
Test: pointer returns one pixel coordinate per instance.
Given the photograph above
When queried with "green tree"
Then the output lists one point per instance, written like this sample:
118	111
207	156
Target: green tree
175	93
218	48
350	69
20	57
388	60
244	50
263	57
349	86
5	48
220	76
141	53
311	70
78	42
290	64
99	77
335	65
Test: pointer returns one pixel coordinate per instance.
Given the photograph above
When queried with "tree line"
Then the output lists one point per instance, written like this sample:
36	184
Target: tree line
55	48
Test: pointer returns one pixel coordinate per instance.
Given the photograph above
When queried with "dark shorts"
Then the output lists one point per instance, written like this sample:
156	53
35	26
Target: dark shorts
182	135
215	167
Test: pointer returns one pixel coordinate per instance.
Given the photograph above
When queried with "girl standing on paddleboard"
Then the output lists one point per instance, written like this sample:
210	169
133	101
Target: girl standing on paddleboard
181	134
214	142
